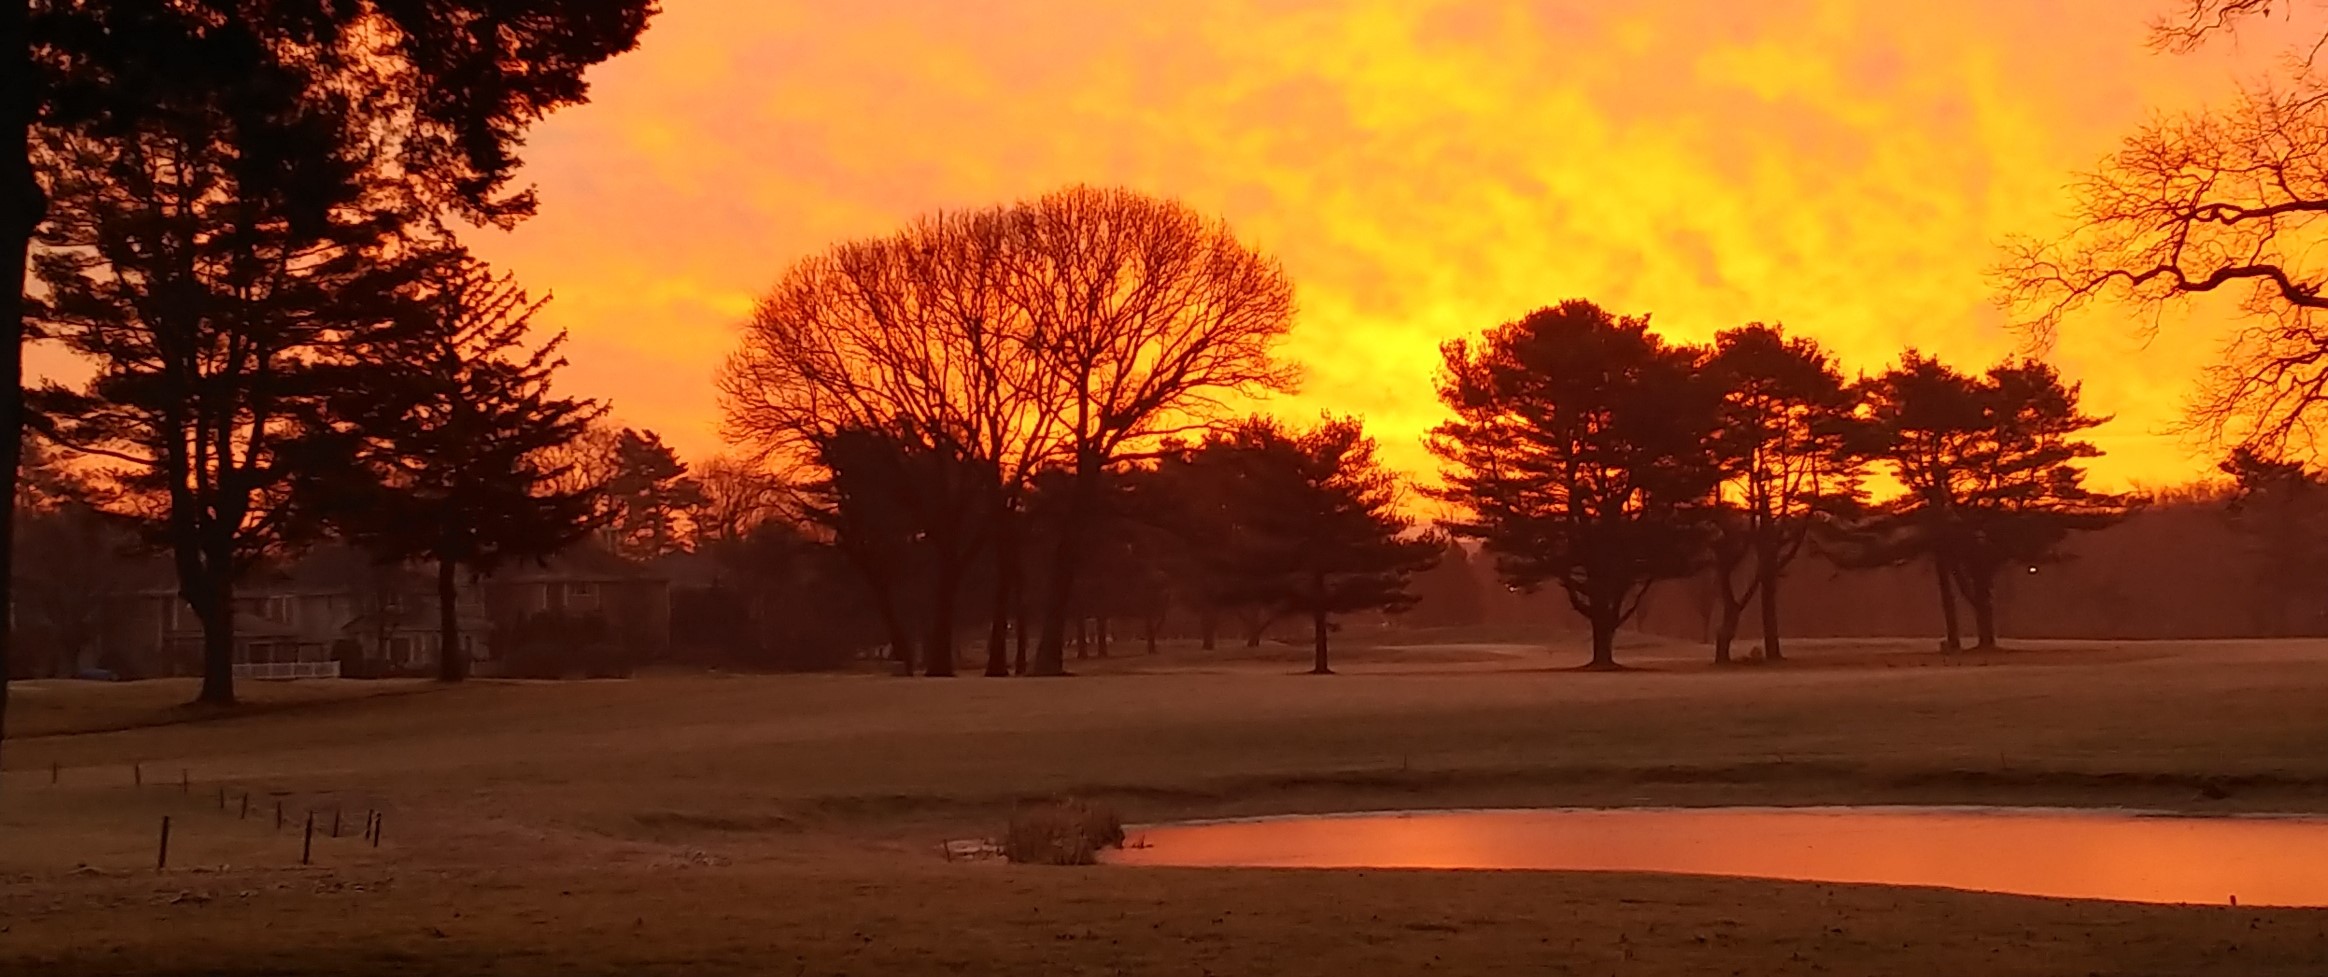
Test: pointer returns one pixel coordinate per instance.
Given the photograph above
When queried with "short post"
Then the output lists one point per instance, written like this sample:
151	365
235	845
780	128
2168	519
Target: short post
52	773
162	855
222	798
335	822
379	819
246	807
370	818
137	775
278	815
185	782
307	846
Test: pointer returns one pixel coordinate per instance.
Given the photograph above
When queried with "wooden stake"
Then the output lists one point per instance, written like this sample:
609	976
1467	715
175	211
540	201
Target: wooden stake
185	783
246	806
52	773
162	856
335	822
222	798
278	815
137	775
307	847
379	820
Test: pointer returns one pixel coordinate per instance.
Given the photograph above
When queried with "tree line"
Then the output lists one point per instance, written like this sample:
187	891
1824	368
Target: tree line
971	404
1589	453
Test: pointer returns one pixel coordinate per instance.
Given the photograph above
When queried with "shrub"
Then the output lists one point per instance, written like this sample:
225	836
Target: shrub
1068	832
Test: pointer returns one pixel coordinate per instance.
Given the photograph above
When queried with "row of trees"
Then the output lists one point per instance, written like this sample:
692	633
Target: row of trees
970	398
1589	453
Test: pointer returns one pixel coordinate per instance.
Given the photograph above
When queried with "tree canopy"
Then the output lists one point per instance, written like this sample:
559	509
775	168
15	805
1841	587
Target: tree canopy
1583	453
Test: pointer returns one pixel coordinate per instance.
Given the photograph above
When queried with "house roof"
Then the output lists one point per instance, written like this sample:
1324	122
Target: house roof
582	562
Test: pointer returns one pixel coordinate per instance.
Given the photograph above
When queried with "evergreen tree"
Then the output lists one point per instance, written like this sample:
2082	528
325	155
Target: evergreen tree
1583	453
1989	470
204	290
1791	440
430	447
446	91
1322	535
650	494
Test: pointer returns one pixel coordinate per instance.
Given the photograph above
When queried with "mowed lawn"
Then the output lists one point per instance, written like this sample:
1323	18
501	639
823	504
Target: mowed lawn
793	824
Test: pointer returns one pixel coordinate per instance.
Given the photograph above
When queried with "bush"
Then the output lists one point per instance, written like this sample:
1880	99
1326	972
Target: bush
1069	832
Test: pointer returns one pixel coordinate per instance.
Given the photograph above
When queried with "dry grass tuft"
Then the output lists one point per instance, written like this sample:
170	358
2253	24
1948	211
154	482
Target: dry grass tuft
1067	832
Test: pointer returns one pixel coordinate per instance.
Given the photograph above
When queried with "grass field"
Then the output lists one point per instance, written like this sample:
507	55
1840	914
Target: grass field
792	824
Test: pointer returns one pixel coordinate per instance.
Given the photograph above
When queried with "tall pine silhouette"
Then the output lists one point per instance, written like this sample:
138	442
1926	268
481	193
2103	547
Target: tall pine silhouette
437	443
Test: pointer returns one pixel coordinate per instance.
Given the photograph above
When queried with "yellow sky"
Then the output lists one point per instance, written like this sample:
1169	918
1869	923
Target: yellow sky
1424	168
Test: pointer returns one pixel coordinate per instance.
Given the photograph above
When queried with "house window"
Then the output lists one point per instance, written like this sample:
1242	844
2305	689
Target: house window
282	609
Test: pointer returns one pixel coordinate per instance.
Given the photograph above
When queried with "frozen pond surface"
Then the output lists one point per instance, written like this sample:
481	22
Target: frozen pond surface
2080	854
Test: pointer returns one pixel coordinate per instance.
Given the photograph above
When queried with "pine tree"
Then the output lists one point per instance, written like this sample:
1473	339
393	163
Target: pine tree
433	447
1321	531
1583	453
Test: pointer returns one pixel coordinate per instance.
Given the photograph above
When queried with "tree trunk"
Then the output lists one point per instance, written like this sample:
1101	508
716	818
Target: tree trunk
1066	562
900	643
1208	630
213	599
1953	640
1604	639
1726	630
1318	631
452	663
1148	628
24	204
1099	635
998	626
938	648
1018	600
1980	593
1766	578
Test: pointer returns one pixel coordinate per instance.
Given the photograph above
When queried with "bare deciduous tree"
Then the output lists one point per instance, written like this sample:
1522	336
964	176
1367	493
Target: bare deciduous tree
1072	328
2226	202
1148	316
907	338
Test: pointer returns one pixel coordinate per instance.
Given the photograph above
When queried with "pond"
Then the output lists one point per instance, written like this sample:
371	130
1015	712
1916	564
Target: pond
2078	854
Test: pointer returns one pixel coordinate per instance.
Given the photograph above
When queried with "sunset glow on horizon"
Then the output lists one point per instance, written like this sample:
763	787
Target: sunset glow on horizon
1423	168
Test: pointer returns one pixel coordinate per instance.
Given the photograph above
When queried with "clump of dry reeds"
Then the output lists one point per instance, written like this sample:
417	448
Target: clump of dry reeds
1066	832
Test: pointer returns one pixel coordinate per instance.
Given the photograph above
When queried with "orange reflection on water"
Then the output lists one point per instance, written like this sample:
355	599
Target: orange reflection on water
2083	855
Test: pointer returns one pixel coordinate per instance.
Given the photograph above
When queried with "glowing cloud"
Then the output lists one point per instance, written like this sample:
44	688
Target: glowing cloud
1424	169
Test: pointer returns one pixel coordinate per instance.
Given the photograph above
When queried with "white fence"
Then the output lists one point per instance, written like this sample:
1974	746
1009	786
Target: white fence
283	671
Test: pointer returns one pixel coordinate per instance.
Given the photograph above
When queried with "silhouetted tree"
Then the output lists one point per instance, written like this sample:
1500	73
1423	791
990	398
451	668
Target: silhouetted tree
2219	201
2030	492
733	498
893	503
1990	471
1143	313
1929	420
1582	453
2279	509
449	88
429	444
1788	432
649	494
1066	328
1321	531
203	291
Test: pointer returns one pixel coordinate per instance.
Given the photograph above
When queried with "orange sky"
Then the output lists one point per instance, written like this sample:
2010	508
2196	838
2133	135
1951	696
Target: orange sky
1424	168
